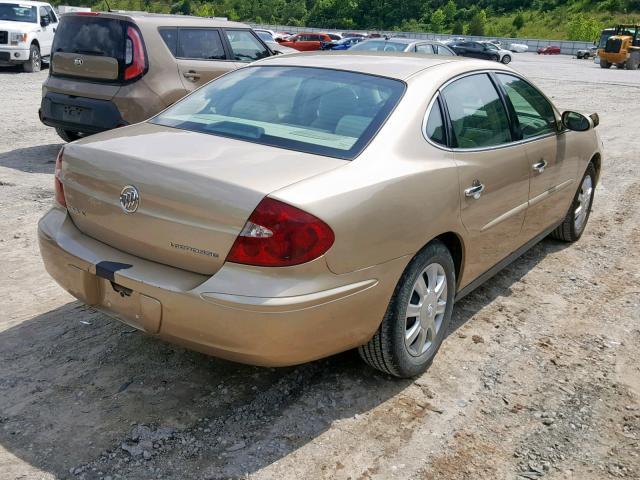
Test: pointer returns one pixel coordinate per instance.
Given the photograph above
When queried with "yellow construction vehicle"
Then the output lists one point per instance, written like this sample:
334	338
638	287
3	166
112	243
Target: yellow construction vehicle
622	49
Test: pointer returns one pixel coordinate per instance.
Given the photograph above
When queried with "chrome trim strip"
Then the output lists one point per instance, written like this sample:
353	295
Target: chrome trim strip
551	191
505	216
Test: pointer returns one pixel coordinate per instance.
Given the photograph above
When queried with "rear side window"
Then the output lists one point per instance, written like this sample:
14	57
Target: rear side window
246	47
477	113
424	48
200	43
103	37
535	114
170	38
435	125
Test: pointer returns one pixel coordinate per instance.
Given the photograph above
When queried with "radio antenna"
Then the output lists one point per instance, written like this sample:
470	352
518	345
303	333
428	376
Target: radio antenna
108	6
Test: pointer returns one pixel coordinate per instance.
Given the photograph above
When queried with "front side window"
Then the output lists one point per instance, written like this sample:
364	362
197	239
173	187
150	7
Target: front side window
246	47
477	113
14	12
442	50
535	114
200	43
51	14
314	110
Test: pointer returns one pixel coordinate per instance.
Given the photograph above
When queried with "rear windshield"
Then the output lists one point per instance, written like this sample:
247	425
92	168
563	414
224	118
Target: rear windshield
380	46
314	110
90	36
14	12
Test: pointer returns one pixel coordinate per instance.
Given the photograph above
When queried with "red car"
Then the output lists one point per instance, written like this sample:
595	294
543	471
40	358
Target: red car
550	50
306	41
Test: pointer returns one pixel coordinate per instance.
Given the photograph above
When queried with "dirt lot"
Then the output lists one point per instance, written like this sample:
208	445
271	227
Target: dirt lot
539	377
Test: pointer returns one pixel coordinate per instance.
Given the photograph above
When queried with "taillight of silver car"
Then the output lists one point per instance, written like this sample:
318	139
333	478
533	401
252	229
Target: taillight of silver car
279	235
59	188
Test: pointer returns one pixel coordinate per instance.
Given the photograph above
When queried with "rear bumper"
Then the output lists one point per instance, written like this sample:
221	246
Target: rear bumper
307	312
79	114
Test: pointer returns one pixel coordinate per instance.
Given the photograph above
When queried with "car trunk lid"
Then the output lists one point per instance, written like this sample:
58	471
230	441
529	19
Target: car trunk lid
196	191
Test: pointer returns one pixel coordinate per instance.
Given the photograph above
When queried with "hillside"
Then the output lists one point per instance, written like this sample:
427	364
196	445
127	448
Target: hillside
556	19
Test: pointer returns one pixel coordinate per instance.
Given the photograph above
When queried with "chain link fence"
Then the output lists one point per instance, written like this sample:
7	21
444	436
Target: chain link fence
567	47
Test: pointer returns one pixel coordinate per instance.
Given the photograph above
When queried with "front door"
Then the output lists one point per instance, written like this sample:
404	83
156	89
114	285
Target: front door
45	37
493	172
552	172
201	56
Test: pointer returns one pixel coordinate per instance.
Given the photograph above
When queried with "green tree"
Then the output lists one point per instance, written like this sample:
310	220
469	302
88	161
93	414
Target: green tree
581	27
450	10
518	21
438	19
458	28
477	24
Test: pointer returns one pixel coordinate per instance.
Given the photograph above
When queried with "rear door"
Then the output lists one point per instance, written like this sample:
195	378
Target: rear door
493	171
201	56
553	174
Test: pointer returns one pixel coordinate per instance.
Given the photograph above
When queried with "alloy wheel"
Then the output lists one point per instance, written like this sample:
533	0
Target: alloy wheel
426	309
583	203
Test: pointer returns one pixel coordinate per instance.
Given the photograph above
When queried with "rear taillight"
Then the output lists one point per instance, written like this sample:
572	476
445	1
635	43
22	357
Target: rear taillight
134	57
59	188
279	235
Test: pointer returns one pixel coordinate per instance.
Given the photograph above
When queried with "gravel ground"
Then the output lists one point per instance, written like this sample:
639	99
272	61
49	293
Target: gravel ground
538	378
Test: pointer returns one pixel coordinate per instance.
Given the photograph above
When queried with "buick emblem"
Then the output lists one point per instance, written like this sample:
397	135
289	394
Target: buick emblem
78	61
129	199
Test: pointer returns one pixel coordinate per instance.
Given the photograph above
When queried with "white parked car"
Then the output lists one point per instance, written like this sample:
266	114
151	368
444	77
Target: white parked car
504	55
519	47
26	33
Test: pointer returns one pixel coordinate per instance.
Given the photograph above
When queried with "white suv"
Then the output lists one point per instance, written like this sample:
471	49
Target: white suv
26	33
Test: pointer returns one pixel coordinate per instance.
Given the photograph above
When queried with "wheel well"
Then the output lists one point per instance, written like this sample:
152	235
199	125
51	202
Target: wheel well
35	42
454	245
597	161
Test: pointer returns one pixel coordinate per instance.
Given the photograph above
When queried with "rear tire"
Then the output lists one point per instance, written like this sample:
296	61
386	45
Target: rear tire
506	59
67	135
404	346
632	65
573	225
34	64
604	64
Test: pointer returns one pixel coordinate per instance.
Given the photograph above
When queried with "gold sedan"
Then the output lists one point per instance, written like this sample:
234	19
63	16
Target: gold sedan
314	203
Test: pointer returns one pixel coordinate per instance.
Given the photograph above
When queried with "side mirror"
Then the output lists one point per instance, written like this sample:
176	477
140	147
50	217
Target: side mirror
578	122
44	21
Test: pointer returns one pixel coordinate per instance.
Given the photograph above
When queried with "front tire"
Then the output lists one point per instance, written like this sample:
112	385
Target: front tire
417	317
506	59
573	225
67	135
34	64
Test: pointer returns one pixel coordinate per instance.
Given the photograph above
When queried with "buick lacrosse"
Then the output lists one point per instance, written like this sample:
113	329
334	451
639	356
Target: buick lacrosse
310	204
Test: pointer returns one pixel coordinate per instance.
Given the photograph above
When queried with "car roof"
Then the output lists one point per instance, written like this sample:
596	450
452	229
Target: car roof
161	19
386	64
27	2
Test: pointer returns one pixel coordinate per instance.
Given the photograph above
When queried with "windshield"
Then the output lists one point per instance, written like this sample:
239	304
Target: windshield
313	110
380	46
606	34
14	12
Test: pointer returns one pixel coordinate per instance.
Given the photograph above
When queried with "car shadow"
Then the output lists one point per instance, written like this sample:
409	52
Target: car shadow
13	69
81	391
39	159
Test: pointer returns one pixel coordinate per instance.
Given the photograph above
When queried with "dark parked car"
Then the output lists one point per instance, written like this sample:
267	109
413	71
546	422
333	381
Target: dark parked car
550	50
476	50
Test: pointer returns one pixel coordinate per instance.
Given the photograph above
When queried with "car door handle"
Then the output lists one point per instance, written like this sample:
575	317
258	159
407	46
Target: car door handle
540	166
191	75
475	190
